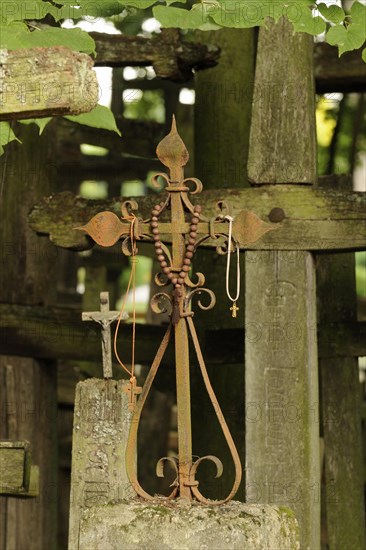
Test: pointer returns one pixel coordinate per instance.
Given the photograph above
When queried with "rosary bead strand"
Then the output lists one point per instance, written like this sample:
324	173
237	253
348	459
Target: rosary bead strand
177	279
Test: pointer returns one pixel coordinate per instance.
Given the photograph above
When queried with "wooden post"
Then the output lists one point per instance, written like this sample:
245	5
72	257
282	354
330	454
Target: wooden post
27	386
340	398
222	123
282	426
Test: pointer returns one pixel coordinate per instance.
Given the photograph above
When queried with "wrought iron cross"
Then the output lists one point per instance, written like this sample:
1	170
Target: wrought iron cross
106	228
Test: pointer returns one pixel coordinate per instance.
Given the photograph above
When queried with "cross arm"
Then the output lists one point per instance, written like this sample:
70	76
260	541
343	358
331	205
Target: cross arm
314	218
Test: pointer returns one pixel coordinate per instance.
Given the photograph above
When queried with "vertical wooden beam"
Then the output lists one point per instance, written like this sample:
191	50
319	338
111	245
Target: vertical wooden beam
28	387
282	426
222	123
340	398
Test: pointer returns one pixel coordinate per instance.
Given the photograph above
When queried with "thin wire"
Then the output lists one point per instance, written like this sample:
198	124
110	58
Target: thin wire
6	155
132	280
230	220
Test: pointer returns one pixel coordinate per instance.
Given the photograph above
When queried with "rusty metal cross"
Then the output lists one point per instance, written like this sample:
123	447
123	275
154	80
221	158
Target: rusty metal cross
106	228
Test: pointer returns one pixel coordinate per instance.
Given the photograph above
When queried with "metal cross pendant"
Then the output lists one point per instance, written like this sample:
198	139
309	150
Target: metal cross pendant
105	318
132	390
234	309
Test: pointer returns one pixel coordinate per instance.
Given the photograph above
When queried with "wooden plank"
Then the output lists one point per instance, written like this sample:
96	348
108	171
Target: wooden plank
315	219
50	332
139	138
101	427
341	418
42	82
338	74
282	430
170	56
59	333
276	97
27	386
332	73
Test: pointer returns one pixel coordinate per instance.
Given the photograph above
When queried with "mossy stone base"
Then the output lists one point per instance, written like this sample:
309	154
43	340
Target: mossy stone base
183	526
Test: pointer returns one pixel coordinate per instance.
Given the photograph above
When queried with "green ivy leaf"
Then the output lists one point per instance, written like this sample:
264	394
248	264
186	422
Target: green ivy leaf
24	9
41	122
309	24
17	36
348	39
182	18
358	13
364	55
99	117
106	8
332	13
6	135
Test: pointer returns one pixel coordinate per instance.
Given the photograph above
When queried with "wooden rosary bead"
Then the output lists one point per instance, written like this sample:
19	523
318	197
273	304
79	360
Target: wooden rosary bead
154	217
163	264
185	268
182	274
155	231
159	251
180	281
161	258
191	241
194	221
175	280
198	208
166	270
187	262
157	239
154	224
190	248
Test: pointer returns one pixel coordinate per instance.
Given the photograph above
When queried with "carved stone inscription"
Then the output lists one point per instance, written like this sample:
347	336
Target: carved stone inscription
101	426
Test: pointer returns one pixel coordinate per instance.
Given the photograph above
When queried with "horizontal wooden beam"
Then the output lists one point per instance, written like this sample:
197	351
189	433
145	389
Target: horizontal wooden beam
315	219
59	333
43	82
170	56
338	74
175	58
139	138
42	332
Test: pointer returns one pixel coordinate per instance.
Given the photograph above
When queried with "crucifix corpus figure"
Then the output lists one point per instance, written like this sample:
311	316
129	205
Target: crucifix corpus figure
104	318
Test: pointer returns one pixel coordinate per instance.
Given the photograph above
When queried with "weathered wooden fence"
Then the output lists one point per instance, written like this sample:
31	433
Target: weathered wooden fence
284	413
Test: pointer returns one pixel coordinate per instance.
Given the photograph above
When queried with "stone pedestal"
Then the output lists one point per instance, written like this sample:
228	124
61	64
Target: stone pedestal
101	427
164	525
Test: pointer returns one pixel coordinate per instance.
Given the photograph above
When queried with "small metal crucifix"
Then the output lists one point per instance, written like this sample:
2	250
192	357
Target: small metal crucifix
105	318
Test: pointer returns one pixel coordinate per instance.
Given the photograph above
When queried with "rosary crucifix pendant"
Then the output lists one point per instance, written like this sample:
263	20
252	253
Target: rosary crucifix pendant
234	309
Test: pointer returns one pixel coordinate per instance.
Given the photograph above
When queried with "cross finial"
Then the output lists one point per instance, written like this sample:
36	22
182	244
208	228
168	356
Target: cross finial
172	151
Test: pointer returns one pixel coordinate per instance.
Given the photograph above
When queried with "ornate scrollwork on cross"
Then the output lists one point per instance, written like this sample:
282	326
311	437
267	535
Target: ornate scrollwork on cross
187	228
